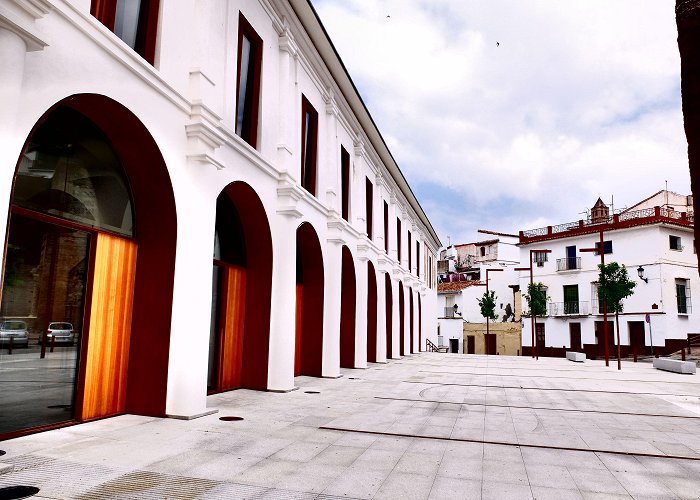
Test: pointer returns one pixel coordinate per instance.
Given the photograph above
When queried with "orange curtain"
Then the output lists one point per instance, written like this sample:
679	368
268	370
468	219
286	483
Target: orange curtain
232	321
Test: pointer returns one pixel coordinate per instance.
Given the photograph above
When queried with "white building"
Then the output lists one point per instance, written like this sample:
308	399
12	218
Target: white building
198	188
462	281
654	241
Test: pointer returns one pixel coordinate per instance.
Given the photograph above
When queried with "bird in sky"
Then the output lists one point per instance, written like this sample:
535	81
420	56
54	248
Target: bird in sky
497	44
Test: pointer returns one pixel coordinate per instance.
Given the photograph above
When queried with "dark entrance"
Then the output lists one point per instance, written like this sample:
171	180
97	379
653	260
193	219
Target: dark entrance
600	337
637	336
490	343
470	344
575	336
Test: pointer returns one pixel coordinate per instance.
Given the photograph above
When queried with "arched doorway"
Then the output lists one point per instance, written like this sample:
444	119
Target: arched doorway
420	326
402	321
388	312
88	269
241	286
309	303
410	318
348	301
371	313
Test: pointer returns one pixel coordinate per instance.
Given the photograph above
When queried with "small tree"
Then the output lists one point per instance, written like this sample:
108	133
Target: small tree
614	286
536	297
487	305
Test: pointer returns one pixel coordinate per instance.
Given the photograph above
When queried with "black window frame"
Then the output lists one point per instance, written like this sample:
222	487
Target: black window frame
248	129
309	145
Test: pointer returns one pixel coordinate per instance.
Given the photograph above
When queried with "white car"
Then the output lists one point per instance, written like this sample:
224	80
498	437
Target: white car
61	331
16	330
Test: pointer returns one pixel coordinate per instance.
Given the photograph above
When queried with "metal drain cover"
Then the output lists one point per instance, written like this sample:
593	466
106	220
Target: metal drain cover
230	419
60	407
2	452
15	492
312	392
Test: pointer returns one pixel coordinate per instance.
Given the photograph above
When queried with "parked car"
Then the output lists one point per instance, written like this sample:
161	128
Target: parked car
61	331
16	330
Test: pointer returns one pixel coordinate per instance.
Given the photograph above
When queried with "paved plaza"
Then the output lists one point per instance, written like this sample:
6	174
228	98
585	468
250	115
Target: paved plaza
427	426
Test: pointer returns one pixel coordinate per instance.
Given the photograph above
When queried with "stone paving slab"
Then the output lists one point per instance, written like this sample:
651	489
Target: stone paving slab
428	426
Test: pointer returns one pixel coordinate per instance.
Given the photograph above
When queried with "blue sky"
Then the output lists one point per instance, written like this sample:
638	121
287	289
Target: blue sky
580	99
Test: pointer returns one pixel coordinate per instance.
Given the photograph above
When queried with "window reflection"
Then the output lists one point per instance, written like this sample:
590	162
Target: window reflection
70	171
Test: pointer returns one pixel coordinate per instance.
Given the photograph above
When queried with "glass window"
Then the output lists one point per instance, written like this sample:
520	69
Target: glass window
607	247
683	296
248	94
126	20
70	171
309	131
134	21
675	243
369	206
345	183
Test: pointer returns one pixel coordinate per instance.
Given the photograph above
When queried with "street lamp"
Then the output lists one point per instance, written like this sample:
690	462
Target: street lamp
533	321
605	305
640	273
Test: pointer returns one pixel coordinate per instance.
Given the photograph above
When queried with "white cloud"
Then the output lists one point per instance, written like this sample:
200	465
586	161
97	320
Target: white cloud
580	99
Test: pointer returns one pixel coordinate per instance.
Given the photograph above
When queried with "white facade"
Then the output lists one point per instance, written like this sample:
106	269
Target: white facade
186	100
638	239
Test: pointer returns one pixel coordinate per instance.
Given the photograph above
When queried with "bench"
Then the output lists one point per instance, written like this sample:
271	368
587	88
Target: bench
675	365
578	357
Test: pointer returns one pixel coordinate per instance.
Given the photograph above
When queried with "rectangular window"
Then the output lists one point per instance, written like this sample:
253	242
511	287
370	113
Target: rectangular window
571	261
386	227
607	247
409	250
418	259
134	21
683	295
369	204
539	258
250	49
539	335
571	304
309	135
345	183
674	243
398	239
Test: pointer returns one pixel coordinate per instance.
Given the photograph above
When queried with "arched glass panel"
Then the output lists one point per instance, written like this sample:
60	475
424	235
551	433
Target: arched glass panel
69	170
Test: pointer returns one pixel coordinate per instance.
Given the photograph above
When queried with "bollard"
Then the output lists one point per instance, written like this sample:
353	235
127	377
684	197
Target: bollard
53	342
42	355
635	355
682	354
9	348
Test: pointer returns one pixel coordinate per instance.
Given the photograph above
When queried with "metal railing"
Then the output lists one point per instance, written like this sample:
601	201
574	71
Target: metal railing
569	264
578	308
450	312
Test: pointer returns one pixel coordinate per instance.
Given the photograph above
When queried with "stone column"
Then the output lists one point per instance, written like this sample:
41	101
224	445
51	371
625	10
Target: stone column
381	318
361	310
332	289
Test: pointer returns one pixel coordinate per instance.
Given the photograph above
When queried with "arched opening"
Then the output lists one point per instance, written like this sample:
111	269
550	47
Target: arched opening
242	279
371	313
309	303
348	301
402	321
388	313
420	326
410	318
88	268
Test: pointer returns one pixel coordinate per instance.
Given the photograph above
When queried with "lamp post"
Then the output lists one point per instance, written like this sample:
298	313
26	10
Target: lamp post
533	322
605	305
487	292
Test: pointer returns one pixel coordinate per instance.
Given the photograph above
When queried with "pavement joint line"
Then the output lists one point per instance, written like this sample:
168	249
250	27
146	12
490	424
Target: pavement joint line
551	389
540	408
517	445
696	384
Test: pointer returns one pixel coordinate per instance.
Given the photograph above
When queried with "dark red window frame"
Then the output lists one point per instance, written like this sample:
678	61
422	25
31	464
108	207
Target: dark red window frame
345	183
418	258
369	206
409	250
398	239
106	10
309	140
251	111
386	227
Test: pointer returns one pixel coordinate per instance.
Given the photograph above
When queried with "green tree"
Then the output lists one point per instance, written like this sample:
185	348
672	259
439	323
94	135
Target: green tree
614	286
536	297
487	304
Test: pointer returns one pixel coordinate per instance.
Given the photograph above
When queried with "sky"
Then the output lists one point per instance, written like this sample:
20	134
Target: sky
509	115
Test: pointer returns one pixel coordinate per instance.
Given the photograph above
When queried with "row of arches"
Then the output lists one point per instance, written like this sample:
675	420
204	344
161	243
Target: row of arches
91	243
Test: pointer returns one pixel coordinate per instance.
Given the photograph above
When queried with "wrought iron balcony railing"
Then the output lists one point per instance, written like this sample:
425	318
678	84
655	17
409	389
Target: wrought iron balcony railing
578	308
569	264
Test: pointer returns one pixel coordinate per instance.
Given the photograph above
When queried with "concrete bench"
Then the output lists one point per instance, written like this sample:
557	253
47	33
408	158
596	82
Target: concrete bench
675	365
578	357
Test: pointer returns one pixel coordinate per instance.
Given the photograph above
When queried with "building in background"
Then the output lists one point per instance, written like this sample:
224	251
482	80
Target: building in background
462	281
198	189
653	239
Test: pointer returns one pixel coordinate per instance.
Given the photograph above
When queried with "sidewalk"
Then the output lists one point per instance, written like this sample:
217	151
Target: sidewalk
426	426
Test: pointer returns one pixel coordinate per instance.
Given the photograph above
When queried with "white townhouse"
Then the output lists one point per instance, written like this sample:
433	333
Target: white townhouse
654	241
196	189
462	273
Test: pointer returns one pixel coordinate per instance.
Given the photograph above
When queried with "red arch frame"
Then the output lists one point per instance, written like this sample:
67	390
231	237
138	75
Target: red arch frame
371	313
155	231
420	326
402	322
309	332
388	312
348	304
258	245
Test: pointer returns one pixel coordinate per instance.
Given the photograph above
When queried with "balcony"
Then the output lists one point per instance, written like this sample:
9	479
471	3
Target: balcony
451	312
579	308
569	264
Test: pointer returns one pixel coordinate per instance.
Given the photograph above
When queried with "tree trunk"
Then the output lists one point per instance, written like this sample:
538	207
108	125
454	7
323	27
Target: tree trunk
617	322
688	24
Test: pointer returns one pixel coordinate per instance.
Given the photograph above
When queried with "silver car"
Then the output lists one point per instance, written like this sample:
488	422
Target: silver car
15	330
62	332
